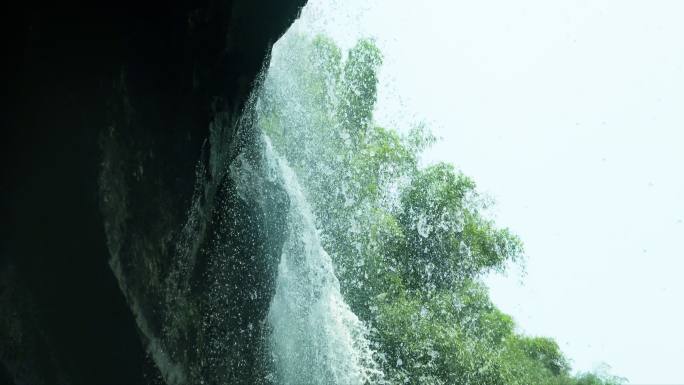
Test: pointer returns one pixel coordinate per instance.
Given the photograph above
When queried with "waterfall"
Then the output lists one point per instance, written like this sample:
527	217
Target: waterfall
313	336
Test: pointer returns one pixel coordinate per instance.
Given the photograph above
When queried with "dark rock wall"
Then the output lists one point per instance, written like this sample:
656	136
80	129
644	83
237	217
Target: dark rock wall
117	100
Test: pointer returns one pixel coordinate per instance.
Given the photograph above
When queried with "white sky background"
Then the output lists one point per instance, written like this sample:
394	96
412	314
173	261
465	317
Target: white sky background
570	114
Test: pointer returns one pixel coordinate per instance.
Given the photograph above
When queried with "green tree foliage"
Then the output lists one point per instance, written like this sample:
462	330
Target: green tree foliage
358	89
409	243
448	239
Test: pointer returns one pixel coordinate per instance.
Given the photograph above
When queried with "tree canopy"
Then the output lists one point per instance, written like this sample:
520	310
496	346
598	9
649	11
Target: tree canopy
410	243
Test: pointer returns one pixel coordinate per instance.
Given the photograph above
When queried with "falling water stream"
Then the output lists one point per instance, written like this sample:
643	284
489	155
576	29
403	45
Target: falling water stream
314	336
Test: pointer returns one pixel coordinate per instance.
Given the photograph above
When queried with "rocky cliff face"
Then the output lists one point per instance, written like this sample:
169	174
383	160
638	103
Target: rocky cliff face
128	254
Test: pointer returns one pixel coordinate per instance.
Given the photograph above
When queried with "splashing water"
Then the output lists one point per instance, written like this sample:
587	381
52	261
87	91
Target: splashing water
314	337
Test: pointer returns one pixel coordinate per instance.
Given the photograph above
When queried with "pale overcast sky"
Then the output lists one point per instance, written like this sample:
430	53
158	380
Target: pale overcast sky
570	114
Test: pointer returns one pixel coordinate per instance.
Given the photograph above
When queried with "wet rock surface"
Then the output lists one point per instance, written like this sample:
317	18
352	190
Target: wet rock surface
109	159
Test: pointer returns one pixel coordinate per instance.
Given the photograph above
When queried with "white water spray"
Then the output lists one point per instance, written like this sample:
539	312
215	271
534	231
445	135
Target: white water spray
314	337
